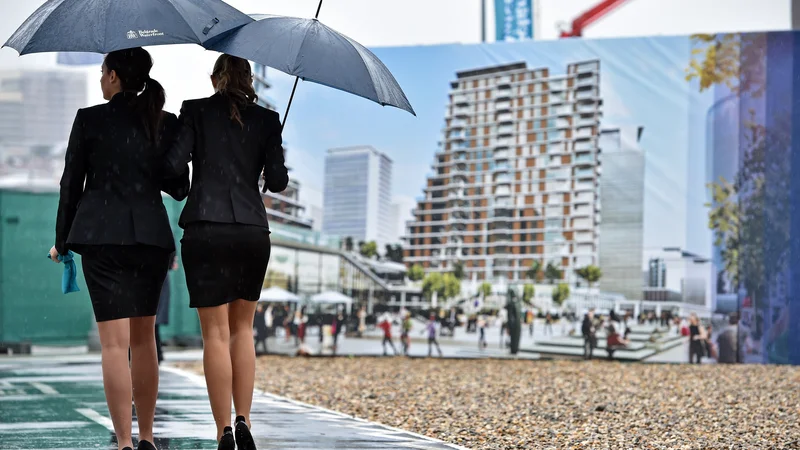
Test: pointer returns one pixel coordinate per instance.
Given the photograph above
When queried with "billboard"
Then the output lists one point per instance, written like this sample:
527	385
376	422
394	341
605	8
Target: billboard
673	153
513	20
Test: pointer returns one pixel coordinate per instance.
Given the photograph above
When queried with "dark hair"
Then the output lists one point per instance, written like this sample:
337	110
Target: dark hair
132	67
235	82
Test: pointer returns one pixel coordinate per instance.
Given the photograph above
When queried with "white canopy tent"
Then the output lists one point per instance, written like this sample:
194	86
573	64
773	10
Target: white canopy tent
332	298
277	295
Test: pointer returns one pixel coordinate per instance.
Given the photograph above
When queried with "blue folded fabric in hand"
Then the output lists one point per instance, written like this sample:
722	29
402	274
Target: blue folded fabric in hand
69	280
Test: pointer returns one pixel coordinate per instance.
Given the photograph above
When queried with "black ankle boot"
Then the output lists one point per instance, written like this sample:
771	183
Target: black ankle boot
244	440
227	441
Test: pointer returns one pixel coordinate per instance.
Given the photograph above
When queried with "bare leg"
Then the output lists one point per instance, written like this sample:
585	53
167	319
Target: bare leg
217	363
114	341
144	373
243	359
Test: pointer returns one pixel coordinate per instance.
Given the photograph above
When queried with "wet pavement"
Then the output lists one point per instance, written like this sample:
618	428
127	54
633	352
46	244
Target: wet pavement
49	404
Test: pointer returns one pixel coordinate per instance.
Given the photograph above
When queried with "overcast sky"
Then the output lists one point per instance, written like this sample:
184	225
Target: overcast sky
184	70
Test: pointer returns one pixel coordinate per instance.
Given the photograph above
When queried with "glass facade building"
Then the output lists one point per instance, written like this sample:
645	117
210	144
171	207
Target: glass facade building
357	194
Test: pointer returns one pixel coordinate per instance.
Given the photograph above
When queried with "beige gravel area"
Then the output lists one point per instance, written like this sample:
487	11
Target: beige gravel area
499	404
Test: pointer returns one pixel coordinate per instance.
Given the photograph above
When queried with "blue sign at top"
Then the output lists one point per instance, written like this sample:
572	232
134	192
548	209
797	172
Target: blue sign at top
513	20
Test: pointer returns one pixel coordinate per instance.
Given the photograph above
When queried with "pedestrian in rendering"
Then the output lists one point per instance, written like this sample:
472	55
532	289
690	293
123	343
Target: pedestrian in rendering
588	330
482	330
405	338
386	326
433	330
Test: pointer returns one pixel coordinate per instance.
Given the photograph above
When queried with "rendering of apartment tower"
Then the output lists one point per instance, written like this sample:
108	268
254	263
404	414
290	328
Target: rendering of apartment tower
357	195
285	207
37	109
516	176
622	197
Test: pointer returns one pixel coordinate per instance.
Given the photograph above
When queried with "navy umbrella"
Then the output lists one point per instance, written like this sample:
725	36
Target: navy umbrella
102	26
311	51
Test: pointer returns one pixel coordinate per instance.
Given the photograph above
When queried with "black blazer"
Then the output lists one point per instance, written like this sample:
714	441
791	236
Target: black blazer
227	160
120	203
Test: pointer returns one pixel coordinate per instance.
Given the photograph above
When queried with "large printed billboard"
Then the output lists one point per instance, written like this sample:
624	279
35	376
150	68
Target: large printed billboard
666	162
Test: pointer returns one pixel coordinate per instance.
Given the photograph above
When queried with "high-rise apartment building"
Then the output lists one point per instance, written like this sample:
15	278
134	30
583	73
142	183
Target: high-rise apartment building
37	108
284	207
358	194
516	177
621	245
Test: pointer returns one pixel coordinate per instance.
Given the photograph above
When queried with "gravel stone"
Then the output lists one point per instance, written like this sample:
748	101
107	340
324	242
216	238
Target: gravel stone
505	404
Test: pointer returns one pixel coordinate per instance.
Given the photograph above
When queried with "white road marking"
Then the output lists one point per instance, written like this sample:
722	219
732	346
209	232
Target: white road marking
45	389
94	416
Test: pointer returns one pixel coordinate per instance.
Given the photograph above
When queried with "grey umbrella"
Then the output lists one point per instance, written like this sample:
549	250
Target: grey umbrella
311	51
102	26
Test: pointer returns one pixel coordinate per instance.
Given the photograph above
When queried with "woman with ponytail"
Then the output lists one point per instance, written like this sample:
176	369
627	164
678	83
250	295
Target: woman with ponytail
231	142
110	211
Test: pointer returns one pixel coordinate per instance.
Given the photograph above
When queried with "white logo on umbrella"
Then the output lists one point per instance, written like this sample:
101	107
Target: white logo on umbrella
132	35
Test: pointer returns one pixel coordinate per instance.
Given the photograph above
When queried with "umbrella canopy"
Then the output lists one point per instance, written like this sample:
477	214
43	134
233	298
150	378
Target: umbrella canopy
277	295
331	297
308	49
102	26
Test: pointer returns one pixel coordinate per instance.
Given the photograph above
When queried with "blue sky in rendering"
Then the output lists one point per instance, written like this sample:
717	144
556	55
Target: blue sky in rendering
642	84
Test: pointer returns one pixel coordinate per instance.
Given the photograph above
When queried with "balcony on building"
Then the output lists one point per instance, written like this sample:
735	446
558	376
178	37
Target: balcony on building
586	107
461	99
587	79
462	112
589	120
590	66
502	166
585	173
501	153
505	117
556	147
505	130
557	186
502	93
557	85
558	99
584	133
586	94
502	178
504	81
502	105
584	146
562	110
457	123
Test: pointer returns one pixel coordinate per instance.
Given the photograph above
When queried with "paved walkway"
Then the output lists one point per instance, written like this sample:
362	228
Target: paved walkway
49	403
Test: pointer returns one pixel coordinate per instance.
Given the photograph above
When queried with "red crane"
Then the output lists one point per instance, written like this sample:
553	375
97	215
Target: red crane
590	16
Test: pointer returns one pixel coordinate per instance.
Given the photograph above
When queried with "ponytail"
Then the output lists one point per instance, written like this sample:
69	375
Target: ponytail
149	105
132	66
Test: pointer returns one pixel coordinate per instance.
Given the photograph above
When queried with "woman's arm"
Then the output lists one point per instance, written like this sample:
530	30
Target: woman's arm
72	182
276	176
176	187
176	159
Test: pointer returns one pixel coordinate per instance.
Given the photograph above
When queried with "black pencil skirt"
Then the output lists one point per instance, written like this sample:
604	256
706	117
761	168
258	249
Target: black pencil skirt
224	262
124	281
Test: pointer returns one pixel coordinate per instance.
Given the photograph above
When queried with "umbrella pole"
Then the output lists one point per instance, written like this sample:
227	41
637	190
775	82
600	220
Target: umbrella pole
291	97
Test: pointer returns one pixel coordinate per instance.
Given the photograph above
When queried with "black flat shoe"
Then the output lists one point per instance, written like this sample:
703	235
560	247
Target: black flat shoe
227	442
146	445
244	440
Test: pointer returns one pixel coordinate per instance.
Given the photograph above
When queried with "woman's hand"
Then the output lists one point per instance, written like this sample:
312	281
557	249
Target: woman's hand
54	255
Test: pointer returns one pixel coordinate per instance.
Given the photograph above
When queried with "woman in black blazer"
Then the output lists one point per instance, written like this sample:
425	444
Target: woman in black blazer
111	212
231	141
